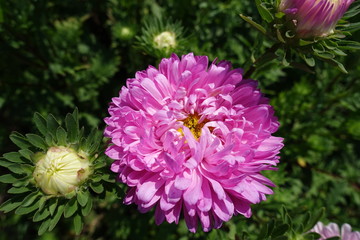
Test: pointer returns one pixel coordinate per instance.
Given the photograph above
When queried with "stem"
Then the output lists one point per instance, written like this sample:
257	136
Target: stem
270	52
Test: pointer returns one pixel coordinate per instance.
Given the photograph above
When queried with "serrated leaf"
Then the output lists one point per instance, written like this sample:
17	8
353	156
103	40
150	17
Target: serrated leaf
82	197
41	214
87	209
8	178
70	208
40	123
37	141
97	187
78	224
11	204
56	217
254	24
264	12
19	140
44	227
90	139
72	128
61	136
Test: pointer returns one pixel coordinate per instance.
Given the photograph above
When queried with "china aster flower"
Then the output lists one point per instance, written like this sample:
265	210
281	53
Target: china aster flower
192	139
314	18
332	230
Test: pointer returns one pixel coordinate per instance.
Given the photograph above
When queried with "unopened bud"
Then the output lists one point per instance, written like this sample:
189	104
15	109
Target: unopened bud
61	170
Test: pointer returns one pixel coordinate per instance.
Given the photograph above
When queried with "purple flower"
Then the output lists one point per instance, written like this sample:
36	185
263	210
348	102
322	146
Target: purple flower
192	139
332	230
314	18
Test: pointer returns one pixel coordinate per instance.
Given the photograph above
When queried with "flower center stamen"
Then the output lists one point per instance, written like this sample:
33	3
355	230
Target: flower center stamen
192	122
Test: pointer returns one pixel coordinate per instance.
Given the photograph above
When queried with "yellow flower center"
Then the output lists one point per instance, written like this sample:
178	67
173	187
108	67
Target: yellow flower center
192	122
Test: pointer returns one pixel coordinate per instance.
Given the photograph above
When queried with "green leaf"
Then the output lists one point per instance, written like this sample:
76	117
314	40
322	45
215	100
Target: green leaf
82	197
21	168
37	141
314	219
49	139
29	199
78	224
254	24
97	187
17	190
26	153
280	230
309	60
11	204
87	209
263	232
61	136
8	178
349	45
44	226
56	217
72	128
5	163
19	140
264	12
52	205
25	210
14	157
40	123
41	214
52	124
70	208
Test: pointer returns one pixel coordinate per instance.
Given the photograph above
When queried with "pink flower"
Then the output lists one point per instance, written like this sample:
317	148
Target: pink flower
314	18
332	230
192	139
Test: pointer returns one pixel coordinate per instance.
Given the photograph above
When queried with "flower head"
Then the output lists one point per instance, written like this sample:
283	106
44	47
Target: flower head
60	170
332	230
165	40
191	138
314	18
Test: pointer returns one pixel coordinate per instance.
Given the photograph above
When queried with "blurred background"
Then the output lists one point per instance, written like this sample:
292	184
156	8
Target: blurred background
57	55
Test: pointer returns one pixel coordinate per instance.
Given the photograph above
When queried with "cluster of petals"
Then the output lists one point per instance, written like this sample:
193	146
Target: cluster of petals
332	230
314	18
192	139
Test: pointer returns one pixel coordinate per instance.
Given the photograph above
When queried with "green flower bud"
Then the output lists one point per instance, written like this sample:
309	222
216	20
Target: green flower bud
61	170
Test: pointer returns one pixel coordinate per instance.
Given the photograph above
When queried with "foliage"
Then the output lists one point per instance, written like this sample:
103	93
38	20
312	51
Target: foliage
57	55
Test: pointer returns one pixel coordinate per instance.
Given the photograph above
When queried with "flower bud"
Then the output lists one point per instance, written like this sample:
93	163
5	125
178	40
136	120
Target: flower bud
60	170
314	18
165	40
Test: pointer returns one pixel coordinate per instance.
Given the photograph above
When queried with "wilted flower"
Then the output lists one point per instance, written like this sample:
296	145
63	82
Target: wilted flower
60	170
191	138
332	230
314	18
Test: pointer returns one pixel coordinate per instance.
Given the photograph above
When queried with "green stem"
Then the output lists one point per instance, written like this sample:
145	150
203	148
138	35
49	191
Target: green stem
269	55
